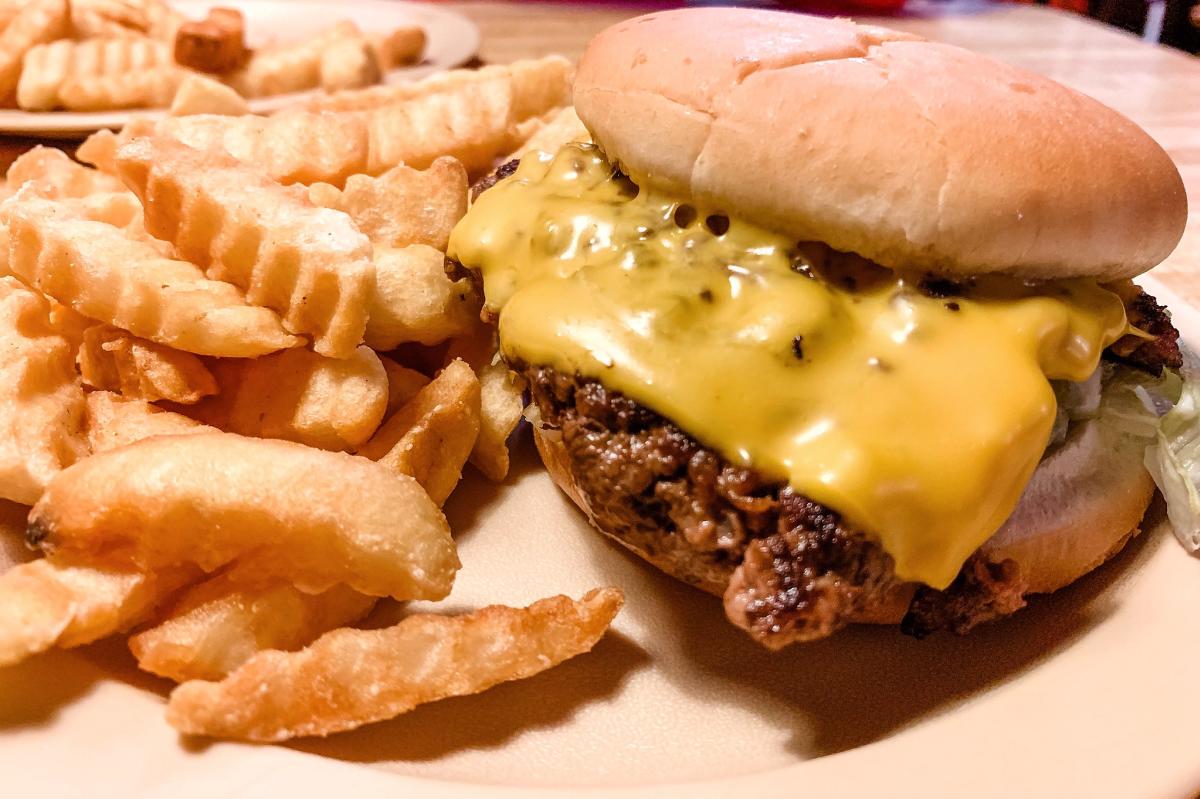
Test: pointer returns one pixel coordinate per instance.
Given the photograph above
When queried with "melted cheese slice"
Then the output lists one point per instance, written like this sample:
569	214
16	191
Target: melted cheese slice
919	419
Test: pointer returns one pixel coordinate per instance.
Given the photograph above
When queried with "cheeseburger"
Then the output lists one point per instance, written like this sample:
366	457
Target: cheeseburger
837	323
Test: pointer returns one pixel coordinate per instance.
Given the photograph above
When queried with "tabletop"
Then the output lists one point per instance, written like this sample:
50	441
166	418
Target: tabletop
1157	87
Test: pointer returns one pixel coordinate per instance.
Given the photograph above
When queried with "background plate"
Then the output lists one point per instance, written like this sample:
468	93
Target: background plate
1089	692
451	40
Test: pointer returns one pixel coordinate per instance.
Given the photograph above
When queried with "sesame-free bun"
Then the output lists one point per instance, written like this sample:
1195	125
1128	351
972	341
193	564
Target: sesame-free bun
914	154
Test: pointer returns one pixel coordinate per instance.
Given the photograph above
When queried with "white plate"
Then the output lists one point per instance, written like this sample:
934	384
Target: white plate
451	40
1090	692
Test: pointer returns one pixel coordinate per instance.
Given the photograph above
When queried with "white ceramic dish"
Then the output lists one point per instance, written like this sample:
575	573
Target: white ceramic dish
451	40
1090	692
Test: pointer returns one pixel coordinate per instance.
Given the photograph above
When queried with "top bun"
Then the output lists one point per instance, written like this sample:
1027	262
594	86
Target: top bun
914	154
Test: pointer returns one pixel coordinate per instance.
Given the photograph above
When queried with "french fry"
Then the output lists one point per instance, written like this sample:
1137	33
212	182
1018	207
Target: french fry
41	401
415	300
221	623
554	131
473	121
55	175
92	19
502	400
403	384
45	604
402	47
38	22
349	64
348	678
313	518
100	149
290	67
554	70
214	44
402	206
113	360
310	264
68	324
47	68
298	395
198	94
432	435
113	421
151	88
96	270
162	20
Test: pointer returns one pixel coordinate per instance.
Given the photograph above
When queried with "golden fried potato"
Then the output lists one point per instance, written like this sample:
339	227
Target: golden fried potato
474	121
221	623
68	324
162	19
113	360
45	604
41	401
402	206
298	395
215	44
349	64
113	421
549	69
93	19
291	147
98	271
415	300
150	88
198	94
402	47
431	437
56	176
290	66
502	399
37	22
49	67
553	132
310	264
100	149
313	518
349	678
403	384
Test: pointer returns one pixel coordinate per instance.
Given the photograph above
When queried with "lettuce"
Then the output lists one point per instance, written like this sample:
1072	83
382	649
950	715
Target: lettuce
1174	461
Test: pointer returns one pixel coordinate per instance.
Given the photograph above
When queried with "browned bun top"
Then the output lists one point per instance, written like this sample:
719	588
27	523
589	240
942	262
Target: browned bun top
914	154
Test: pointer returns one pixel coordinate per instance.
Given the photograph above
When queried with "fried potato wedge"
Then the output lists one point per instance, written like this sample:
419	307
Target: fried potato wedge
402	206
403	384
114	360
552	133
349	678
502	400
474	121
48	68
416	301
41	401
554	71
113	421
198	94
45	604
314	518
56	176
291	66
298	395
219	624
148	88
431	437
98	271
37	22
310	264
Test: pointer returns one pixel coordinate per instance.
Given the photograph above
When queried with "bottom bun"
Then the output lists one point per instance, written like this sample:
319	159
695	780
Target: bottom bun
1084	502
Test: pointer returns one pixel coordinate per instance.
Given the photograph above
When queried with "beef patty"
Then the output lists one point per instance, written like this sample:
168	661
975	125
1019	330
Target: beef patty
789	569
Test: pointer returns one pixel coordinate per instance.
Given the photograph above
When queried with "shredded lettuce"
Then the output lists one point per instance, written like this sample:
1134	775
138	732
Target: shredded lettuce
1174	460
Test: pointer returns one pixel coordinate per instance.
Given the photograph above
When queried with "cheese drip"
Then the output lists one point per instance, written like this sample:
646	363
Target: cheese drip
918	418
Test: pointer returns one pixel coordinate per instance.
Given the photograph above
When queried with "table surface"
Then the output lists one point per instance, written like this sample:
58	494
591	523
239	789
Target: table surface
1157	87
